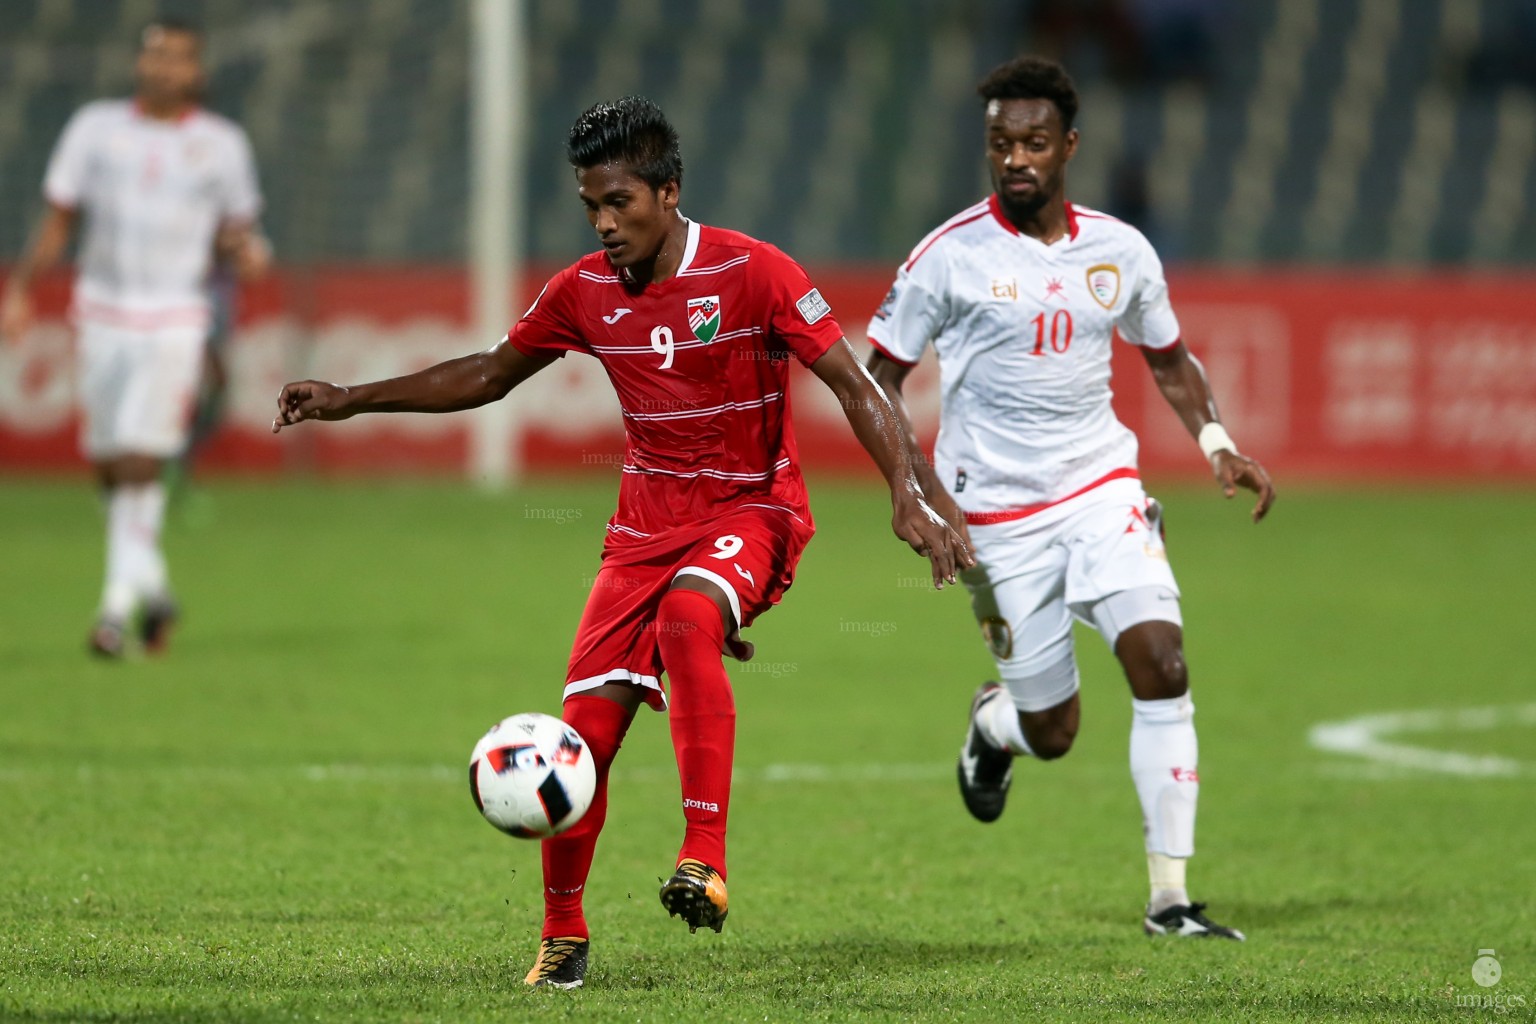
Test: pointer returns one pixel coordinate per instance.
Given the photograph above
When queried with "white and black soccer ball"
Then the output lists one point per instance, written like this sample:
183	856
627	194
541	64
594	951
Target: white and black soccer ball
532	776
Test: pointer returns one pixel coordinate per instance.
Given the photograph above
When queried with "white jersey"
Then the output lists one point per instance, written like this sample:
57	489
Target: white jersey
153	195
1023	332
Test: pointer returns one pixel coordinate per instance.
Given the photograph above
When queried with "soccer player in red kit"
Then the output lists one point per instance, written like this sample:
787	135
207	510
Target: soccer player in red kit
695	327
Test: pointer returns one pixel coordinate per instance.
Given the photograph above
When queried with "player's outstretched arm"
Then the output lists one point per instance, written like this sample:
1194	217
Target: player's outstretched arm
880	431
891	375
464	383
44	250
1182	380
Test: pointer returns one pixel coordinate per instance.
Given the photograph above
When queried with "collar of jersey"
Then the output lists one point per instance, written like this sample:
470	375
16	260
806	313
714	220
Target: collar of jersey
690	250
1007	225
186	115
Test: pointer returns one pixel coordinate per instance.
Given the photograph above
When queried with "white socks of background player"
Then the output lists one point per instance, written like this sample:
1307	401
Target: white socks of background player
1164	755
135	566
999	723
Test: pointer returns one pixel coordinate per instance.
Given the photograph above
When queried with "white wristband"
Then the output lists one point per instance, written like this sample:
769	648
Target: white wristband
1214	438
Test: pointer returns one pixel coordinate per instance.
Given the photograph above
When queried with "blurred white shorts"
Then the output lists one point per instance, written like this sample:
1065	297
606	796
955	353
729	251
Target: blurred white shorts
137	388
1098	558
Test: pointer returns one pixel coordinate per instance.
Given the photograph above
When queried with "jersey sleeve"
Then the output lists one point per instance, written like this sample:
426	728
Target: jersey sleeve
64	182
242	194
1148	320
550	327
912	312
797	315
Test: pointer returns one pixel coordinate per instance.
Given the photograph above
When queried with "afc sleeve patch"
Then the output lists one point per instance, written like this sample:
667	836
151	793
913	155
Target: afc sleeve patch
812	306
887	304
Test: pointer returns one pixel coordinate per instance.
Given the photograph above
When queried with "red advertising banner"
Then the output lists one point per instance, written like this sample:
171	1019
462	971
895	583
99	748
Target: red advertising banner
1344	374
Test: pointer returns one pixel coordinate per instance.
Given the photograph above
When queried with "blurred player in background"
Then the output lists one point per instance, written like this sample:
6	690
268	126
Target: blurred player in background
695	327
1020	296
213	386
163	187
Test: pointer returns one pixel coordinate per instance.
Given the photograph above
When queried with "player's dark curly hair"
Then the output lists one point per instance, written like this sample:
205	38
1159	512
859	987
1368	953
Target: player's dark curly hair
632	130
1033	78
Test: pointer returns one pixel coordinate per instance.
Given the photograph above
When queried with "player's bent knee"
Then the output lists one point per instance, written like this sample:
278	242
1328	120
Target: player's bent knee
129	470
1051	738
687	610
1158	678
1046	700
1153	657
1043	693
689	580
1171	674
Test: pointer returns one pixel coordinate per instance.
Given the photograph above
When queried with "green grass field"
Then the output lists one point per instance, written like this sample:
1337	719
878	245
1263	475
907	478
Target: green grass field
272	823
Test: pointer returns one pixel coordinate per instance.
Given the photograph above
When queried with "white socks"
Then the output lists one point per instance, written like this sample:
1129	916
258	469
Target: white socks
135	566
1164	758
1168	889
999	722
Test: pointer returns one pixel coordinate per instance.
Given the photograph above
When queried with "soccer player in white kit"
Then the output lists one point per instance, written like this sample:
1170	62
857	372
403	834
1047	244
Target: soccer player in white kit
1020	296
163	187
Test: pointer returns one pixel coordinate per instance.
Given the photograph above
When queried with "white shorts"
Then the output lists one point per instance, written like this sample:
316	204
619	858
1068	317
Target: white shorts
137	389
1098	557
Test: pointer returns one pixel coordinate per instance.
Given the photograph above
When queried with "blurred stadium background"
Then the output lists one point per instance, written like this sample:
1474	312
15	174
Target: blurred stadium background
1345	192
270	823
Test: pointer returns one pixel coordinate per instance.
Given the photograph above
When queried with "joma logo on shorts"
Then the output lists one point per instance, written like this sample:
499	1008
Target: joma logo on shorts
701	805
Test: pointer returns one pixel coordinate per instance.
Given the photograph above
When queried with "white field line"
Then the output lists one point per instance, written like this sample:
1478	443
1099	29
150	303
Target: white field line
436	773
1366	737
773	773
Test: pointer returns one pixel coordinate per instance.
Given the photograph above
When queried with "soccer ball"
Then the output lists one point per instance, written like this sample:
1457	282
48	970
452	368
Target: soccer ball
532	776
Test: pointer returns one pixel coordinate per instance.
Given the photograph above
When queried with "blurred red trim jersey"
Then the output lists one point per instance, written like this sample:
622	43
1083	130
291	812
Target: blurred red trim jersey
700	365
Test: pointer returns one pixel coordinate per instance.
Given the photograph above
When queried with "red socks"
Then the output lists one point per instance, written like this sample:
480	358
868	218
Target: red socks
702	712
703	720
568	856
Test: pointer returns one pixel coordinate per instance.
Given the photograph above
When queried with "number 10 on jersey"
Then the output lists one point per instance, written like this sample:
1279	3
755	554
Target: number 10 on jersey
1060	333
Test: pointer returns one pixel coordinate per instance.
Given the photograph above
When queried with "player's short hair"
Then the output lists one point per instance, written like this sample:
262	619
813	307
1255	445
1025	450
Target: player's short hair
1032	78
171	23
632	130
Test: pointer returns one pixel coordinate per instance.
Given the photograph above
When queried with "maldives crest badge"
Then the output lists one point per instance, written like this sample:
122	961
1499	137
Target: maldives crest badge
704	317
1104	284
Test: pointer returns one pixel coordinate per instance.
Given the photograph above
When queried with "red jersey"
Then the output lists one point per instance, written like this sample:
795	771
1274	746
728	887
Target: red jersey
700	363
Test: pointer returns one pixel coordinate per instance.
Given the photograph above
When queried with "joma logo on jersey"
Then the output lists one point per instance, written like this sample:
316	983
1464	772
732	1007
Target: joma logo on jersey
1104	284
704	317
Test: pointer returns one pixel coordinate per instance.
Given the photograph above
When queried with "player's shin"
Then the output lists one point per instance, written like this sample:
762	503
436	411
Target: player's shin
149	516
1164	759
568	857
119	594
702	714
135	565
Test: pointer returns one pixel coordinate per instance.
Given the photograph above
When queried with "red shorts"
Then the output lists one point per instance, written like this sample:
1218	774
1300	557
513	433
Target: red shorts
749	552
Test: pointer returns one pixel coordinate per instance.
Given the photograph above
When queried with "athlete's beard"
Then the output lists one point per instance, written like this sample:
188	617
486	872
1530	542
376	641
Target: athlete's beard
159	94
1024	210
